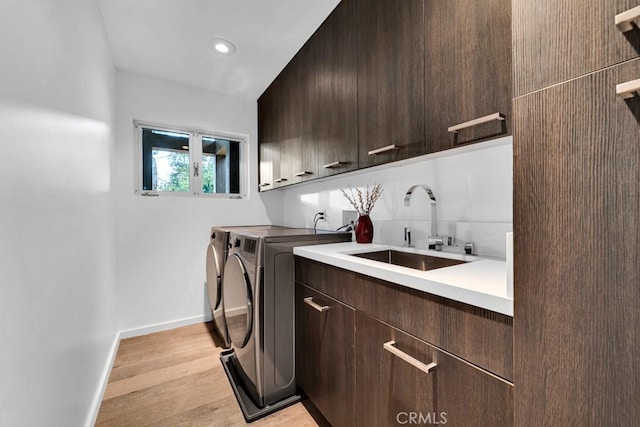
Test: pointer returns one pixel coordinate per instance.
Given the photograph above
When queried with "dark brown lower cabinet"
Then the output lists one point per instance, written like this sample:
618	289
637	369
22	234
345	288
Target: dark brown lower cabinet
391	391
325	355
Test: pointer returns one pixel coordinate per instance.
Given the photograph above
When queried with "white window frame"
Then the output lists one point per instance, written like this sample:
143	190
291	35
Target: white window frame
195	160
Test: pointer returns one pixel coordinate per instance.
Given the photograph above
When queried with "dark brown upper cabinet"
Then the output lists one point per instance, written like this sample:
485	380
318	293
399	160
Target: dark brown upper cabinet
279	111
468	75
557	40
390	80
286	155
267	137
300	150
333	117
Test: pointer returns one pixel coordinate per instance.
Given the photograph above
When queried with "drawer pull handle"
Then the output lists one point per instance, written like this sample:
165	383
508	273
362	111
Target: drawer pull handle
265	184
623	20
310	303
629	89
476	122
279	180
303	173
334	164
384	149
389	346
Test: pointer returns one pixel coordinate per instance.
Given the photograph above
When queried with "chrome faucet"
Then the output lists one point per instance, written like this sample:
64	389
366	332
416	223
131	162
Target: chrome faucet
434	241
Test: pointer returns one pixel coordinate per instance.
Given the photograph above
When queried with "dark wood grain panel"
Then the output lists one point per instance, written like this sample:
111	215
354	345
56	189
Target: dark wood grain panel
557	40
334	85
267	135
390	79
325	356
577	253
302	152
480	336
468	71
454	393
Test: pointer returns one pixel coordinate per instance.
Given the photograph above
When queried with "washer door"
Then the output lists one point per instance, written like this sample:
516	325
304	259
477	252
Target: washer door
238	301
214	278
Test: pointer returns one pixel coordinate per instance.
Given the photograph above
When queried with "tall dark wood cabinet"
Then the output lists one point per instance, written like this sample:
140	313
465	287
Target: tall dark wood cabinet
468	73
390	80
576	216
325	354
577	253
333	92
557	40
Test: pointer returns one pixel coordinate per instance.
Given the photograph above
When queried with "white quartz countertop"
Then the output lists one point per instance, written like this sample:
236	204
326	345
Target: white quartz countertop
480	282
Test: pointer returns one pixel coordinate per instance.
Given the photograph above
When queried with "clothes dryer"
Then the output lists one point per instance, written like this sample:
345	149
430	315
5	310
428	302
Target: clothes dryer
260	267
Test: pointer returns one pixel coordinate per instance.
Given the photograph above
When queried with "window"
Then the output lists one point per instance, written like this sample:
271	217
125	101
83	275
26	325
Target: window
178	161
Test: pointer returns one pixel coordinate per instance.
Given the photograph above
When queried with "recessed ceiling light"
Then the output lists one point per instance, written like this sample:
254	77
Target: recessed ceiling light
223	47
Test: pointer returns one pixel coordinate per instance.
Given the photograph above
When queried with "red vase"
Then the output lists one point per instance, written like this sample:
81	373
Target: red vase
364	229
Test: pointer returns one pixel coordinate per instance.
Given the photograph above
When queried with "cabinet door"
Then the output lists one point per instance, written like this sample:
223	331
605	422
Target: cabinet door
284	131
390	80
265	181
454	392
467	71
297	160
267	136
557	40
325	356
576	175
332	51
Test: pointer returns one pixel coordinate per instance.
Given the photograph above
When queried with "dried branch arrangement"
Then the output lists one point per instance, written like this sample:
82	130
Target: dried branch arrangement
363	203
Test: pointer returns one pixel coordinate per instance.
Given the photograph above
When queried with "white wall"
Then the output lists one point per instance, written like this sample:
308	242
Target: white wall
58	295
162	240
473	190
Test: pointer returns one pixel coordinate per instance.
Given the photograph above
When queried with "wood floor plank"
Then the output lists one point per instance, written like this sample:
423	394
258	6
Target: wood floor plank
160	376
159	361
175	378
155	403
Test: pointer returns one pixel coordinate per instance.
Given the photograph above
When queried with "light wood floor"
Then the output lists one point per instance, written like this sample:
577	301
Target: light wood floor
175	378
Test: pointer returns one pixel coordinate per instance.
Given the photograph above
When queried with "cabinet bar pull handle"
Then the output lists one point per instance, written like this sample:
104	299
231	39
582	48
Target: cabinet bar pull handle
265	184
280	180
623	20
628	90
384	149
389	346
333	165
476	122
320	308
303	173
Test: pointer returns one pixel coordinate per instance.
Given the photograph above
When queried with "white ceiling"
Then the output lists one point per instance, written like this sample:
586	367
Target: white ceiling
171	39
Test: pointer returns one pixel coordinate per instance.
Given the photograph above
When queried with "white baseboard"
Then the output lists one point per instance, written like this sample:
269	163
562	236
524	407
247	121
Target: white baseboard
92	416
165	326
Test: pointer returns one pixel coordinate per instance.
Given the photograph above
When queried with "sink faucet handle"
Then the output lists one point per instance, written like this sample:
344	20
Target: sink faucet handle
435	242
407	237
468	248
